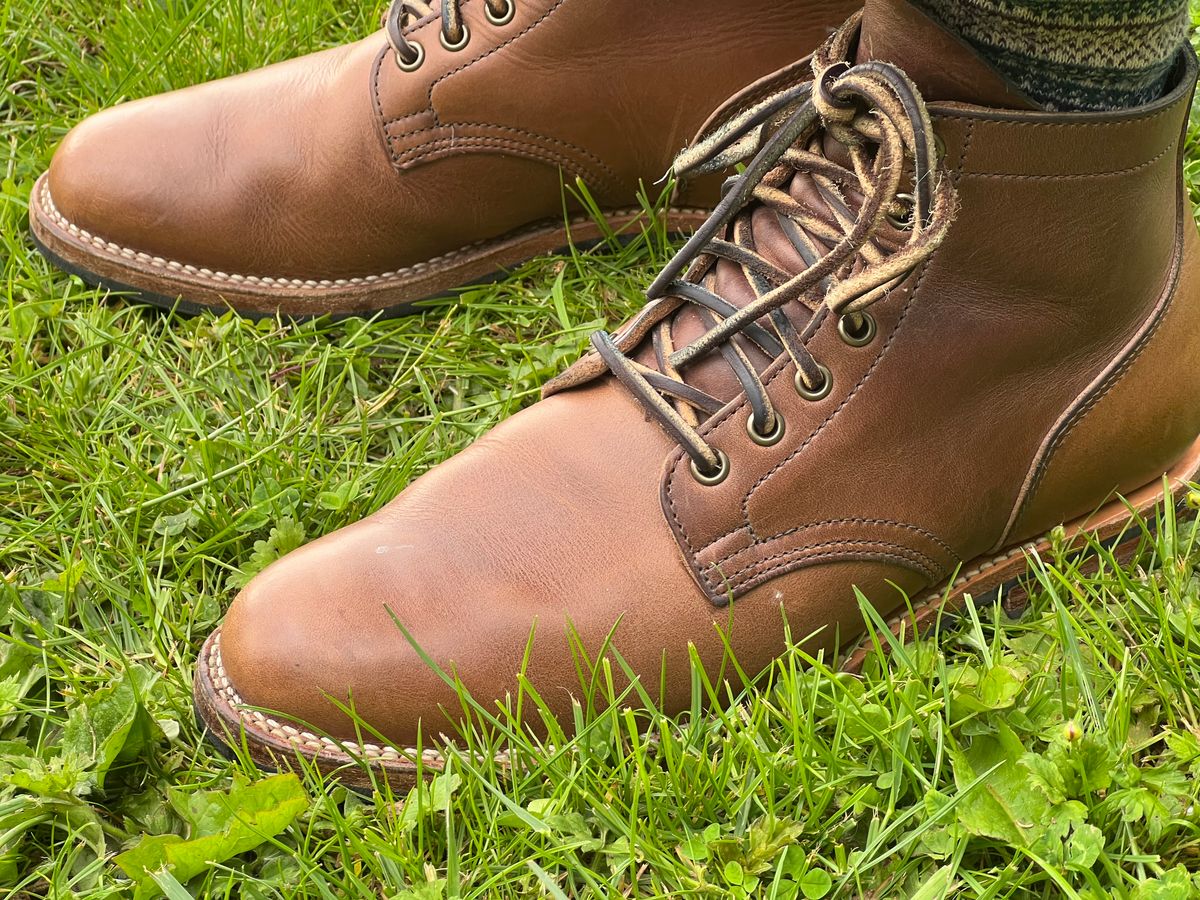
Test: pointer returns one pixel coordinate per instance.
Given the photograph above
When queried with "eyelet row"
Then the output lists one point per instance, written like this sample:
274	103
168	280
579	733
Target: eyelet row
710	479
903	222
854	334
510	10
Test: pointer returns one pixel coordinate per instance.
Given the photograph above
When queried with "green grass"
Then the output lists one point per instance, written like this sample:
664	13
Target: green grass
149	465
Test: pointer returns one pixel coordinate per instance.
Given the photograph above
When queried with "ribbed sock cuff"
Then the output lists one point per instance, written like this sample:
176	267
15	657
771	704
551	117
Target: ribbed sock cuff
1074	54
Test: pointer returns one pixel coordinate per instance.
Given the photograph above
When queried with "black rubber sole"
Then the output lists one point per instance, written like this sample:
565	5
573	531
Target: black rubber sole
188	309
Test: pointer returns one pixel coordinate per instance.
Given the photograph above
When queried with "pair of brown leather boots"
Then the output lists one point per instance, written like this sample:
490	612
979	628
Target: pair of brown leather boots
928	323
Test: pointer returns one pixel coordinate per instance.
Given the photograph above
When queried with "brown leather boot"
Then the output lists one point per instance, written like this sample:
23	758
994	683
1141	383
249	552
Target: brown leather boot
421	159
914	339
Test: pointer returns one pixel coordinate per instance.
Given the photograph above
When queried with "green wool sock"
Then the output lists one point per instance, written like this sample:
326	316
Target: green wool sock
1074	54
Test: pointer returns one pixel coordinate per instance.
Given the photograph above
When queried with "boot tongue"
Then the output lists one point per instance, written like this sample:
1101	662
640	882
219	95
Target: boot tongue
943	66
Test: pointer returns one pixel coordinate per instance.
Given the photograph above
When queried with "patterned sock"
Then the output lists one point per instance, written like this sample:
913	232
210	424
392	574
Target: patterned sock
1074	54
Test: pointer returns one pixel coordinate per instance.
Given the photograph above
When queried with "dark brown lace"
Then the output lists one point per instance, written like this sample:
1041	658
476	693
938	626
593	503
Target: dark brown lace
454	34
876	115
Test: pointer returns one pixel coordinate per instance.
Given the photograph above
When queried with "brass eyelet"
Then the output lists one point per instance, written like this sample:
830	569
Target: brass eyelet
861	336
417	62
712	478
906	223
821	391
766	440
457	45
510	10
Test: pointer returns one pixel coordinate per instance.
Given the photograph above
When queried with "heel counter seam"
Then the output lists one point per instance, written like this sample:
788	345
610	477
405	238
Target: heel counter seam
1106	380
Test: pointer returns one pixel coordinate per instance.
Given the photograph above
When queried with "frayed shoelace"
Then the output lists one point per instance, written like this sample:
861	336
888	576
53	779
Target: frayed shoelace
877	116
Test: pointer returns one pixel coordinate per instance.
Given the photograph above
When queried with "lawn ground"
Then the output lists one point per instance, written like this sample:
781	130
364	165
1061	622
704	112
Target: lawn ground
150	464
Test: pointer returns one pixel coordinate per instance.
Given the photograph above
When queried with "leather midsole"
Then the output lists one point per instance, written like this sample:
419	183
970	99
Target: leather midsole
987	573
270	741
167	280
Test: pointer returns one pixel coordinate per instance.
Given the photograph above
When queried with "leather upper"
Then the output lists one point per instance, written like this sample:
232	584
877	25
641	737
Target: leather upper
340	164
984	412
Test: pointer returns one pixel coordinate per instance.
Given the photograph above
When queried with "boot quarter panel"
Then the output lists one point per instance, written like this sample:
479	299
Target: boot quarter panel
1142	407
918	455
532	89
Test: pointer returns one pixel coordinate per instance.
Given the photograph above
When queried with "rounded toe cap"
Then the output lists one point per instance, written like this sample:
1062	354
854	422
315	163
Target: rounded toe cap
313	639
110	180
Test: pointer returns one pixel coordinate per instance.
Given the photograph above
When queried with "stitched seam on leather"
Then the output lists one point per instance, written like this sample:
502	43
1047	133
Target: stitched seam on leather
928	564
784	568
842	405
967	142
376	71
45	203
1102	391
855	520
1072	175
529	150
524	31
679	526
828	419
779	366
1030	125
420	26
793	565
417	152
1158	315
294	735
433	149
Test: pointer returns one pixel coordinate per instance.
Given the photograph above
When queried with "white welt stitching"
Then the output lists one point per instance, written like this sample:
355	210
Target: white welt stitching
46	202
389	754
307	739
936	597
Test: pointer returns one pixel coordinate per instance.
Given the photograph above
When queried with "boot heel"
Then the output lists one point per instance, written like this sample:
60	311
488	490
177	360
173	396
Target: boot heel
1006	575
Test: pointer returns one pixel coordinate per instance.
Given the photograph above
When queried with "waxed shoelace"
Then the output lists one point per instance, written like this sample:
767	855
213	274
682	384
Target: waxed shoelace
877	116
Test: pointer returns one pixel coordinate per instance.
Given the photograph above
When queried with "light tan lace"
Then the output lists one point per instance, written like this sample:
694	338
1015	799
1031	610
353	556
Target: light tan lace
876	115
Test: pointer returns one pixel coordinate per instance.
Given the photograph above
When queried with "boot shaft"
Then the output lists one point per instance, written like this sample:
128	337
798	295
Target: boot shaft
1067	281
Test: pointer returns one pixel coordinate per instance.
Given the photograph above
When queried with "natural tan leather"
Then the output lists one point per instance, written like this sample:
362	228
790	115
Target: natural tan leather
1039	361
340	165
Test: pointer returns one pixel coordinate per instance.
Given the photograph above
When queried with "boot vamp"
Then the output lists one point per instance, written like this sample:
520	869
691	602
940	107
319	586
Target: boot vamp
284	173
550	520
278	172
552	525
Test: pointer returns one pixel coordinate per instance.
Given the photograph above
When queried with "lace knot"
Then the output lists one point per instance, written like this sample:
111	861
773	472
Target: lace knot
828	163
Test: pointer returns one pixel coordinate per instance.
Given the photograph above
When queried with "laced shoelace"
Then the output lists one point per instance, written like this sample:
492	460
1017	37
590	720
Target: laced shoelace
876	115
454	33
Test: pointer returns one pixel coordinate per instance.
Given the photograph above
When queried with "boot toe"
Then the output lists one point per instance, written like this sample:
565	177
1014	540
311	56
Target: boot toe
316	634
109	182
234	179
